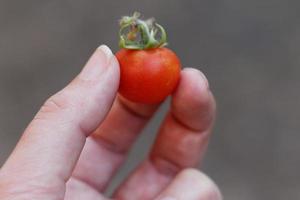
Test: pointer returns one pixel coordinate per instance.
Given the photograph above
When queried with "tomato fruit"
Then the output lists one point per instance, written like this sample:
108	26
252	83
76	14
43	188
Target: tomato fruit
148	76
149	71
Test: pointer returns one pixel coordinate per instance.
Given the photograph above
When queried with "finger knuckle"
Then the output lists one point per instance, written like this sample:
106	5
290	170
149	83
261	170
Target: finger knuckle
62	101
30	190
55	102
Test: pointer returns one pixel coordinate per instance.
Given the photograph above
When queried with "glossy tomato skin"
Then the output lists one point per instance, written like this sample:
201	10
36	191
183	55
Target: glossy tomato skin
148	76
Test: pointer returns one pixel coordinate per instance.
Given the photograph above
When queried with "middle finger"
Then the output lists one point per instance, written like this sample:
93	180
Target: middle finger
106	149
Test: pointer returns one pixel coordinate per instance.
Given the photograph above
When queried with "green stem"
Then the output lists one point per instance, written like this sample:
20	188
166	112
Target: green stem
133	27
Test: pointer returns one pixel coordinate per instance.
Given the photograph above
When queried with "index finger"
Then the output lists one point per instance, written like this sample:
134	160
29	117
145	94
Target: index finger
50	146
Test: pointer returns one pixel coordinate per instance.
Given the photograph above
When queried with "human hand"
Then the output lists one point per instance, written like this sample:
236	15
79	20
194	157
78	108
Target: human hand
81	135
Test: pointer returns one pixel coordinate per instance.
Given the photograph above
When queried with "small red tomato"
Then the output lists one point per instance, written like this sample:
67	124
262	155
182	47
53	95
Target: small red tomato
149	71
148	76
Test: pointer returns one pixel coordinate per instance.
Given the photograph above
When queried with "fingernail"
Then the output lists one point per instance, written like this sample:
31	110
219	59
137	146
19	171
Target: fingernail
202	78
106	51
97	64
205	80
167	198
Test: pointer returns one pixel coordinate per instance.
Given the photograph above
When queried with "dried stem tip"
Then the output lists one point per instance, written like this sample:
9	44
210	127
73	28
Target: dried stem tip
141	34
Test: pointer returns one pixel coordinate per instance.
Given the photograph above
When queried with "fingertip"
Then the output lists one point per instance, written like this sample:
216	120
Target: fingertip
99	63
191	184
198	75
112	61
192	175
208	187
106	50
192	102
193	85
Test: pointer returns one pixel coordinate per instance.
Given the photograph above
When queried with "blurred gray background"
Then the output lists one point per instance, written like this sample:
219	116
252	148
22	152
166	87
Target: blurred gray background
249	50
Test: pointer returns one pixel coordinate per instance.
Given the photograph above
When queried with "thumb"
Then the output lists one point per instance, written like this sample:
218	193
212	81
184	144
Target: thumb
50	146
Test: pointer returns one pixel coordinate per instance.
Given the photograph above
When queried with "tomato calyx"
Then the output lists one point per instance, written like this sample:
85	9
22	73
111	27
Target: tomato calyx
139	34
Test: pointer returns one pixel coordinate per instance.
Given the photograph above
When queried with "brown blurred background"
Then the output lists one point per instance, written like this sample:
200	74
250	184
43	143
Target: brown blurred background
249	50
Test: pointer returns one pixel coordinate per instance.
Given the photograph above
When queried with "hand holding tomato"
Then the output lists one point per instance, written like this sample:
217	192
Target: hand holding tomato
80	138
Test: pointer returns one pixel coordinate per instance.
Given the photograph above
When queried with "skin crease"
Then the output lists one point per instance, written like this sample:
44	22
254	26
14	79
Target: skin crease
148	76
80	138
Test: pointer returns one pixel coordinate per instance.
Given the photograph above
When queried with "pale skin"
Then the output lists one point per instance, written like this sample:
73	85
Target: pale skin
81	136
